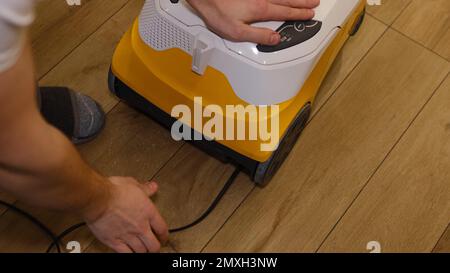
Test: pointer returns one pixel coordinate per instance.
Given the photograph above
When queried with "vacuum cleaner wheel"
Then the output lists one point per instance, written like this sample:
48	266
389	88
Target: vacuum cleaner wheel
266	170
112	82
358	23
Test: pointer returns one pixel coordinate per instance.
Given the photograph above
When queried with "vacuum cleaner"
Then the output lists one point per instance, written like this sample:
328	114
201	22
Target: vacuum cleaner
169	57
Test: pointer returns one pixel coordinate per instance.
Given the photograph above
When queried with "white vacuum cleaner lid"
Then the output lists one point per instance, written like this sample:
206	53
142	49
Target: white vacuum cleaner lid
309	35
258	75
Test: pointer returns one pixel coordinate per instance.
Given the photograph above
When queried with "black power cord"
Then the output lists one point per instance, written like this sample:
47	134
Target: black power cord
56	239
213	205
35	221
61	236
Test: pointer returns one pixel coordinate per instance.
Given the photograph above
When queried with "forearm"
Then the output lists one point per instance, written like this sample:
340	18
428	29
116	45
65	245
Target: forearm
49	173
38	164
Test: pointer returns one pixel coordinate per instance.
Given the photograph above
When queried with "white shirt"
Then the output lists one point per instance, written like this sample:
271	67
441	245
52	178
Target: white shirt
15	17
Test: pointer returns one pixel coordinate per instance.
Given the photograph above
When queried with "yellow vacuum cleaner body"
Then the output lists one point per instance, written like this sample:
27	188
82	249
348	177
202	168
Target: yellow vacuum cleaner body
169	60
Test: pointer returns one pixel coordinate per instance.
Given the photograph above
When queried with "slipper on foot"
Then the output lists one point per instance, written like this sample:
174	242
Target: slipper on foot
78	116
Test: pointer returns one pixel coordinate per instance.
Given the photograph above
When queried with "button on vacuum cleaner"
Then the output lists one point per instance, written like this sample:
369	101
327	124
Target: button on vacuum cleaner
292	34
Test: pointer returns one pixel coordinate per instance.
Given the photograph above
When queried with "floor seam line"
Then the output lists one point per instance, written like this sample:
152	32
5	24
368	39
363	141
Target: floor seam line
383	161
82	42
347	76
440	238
421	45
228	218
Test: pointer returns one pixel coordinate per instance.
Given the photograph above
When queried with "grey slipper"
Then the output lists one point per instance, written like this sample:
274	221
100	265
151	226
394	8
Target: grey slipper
78	116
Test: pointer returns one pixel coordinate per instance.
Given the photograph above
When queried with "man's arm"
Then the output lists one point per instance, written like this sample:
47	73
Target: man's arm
37	163
231	18
41	167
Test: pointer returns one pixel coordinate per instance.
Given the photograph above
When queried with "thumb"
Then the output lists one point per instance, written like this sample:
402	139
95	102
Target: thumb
258	35
150	188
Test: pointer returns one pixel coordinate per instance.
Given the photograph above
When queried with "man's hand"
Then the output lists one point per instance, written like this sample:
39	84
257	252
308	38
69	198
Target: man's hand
230	19
130	221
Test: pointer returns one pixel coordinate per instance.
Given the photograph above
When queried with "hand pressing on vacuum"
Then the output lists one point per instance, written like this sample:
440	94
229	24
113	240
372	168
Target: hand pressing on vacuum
130	221
230	19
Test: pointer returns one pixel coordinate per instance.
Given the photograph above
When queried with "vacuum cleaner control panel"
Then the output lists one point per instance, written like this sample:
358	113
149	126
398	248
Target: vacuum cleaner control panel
300	39
292	34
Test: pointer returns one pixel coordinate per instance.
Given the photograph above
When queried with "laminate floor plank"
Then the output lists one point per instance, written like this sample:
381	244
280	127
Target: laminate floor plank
406	205
427	22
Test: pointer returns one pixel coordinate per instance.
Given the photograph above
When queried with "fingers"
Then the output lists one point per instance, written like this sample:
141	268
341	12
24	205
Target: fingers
136	245
158	225
283	13
145	243
150	242
122	248
156	221
150	188
256	35
305	4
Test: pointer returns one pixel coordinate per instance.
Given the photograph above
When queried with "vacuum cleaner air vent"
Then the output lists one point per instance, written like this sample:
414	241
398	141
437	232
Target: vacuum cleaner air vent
161	34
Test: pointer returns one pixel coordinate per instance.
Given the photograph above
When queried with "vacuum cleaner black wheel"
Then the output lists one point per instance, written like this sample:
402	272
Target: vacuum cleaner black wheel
266	170
112	82
358	23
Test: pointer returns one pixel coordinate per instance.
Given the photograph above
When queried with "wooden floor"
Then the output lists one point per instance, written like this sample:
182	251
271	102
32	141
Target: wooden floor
372	165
